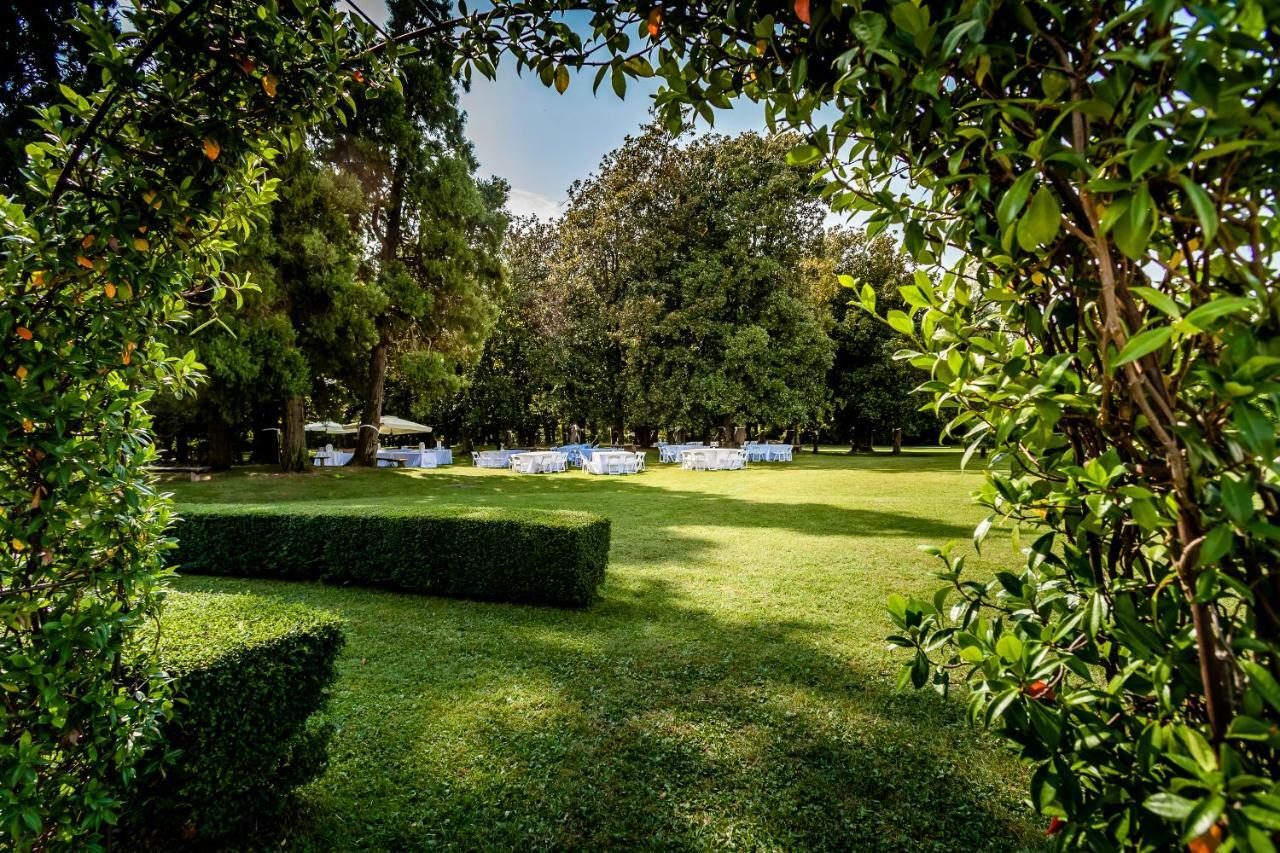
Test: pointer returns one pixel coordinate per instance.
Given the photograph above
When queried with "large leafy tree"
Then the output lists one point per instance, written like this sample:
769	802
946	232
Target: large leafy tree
437	231
686	260
129	201
1104	175
308	320
874	394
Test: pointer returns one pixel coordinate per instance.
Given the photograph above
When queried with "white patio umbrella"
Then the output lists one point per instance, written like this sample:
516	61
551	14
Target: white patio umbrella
330	427
391	425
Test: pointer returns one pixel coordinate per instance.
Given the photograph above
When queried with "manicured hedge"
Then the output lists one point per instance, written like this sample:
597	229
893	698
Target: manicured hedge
491	554
249	673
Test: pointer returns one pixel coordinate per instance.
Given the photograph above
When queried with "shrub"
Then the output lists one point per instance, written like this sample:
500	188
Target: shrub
249	674
133	192
491	554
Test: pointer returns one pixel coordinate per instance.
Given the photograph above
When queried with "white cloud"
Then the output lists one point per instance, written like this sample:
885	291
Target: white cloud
525	203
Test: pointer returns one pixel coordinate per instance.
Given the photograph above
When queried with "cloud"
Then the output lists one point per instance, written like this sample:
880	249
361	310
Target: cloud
525	203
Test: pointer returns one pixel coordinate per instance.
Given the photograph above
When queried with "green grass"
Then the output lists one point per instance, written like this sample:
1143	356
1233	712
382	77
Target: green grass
731	689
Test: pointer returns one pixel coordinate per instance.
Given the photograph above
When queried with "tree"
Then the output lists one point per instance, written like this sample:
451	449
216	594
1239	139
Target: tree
519	384
1104	177
40	50
685	261
310	318
130	199
437	231
874	393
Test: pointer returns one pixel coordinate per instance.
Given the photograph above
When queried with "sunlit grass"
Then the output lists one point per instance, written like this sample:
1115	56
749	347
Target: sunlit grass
731	688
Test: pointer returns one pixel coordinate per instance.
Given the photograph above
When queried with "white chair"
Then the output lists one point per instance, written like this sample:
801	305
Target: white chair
560	463
639	463
617	464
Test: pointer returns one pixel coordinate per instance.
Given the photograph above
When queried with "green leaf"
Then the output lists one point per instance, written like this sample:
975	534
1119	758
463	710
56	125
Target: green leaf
1142	344
1203	816
1169	806
900	322
1205	210
1157	300
562	79
1011	202
803	155
1042	221
1009	647
1202	316
1261	679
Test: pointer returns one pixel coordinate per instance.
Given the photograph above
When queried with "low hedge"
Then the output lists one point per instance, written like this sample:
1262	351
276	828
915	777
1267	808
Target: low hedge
248	674
531	556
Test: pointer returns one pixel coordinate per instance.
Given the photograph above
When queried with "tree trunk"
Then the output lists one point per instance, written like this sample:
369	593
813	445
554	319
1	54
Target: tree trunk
371	416
897	441
219	443
293	445
815	442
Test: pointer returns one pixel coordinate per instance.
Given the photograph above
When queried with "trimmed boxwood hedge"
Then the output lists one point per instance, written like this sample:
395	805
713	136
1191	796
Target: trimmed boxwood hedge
248	673
537	556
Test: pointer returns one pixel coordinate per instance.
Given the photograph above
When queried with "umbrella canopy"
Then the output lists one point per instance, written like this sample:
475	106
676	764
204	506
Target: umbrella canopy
331	427
391	425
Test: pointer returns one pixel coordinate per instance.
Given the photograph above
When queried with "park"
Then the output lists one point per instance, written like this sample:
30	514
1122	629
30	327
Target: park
570	424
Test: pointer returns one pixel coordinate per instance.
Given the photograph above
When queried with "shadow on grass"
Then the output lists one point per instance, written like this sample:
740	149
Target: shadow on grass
641	722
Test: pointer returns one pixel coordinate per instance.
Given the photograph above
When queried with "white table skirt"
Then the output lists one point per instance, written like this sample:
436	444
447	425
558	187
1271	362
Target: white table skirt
768	452
716	458
331	459
601	462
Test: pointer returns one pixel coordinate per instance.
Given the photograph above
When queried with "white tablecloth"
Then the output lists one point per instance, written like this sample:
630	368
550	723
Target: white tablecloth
409	457
614	462
330	459
768	452
671	452
539	462
712	458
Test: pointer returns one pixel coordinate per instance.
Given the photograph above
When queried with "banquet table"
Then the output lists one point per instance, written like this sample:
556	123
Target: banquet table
577	453
671	452
612	461
407	457
713	459
768	452
538	462
331	458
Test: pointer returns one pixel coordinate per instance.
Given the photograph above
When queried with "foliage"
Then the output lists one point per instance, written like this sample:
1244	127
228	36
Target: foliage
873	393
436	229
40	50
309	320
249	674
733	668
671	294
532	369
499	555
1103	176
130	201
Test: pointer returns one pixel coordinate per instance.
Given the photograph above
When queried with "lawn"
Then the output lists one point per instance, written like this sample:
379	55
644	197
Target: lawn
732	687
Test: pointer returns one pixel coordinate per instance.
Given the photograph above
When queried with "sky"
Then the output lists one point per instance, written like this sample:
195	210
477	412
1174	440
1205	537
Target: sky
541	141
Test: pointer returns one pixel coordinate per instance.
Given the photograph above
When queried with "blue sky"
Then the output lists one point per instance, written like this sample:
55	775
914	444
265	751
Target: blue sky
541	141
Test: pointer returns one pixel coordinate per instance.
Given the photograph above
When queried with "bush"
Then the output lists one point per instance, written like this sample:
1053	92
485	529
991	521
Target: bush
490	554
249	674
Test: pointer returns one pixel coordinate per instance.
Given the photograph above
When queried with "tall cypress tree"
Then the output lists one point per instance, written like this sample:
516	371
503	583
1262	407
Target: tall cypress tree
436	228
